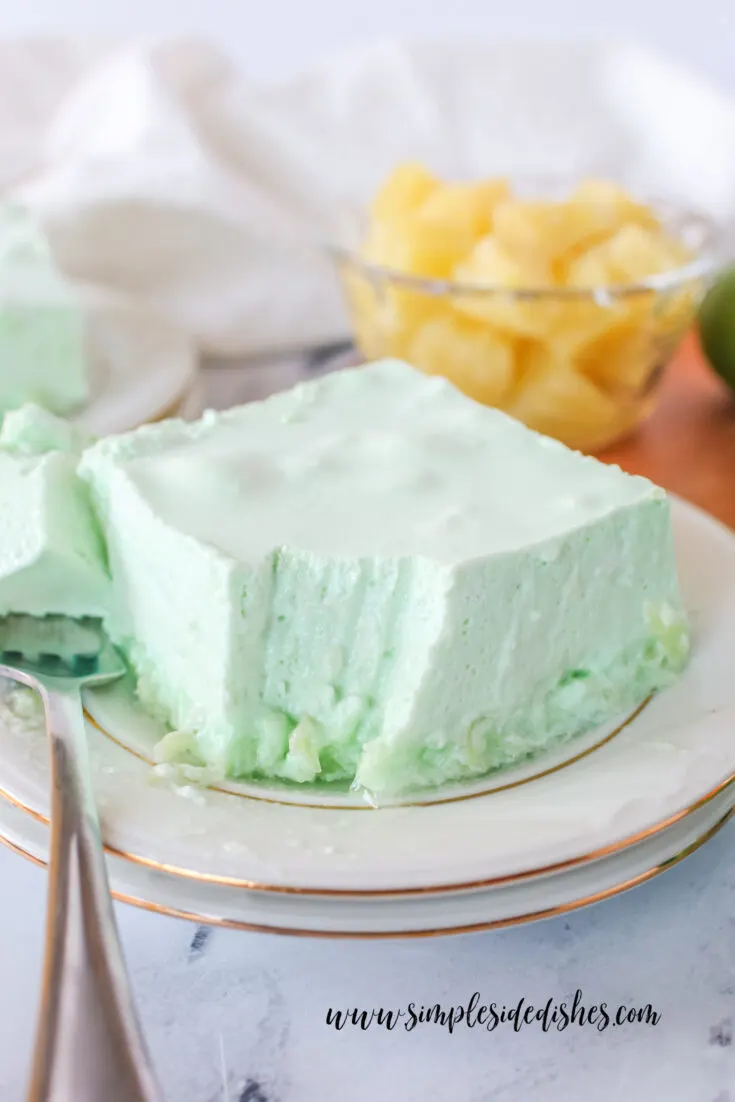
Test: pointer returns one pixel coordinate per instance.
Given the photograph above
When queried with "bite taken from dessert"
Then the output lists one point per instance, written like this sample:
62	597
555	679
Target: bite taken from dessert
369	580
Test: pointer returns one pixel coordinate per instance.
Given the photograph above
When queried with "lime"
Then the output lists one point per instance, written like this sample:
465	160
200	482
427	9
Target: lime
717	326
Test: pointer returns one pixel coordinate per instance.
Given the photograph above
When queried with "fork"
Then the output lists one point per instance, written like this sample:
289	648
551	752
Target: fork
89	1045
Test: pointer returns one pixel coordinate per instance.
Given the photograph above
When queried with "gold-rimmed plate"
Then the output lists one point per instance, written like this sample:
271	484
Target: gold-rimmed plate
615	790
408	917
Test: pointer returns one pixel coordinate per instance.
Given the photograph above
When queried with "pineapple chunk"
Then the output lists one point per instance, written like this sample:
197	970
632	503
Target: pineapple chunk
429	239
554	399
582	321
492	266
622	363
381	327
469	355
550	231
407	187
611	201
468	209
414	247
411	308
629	256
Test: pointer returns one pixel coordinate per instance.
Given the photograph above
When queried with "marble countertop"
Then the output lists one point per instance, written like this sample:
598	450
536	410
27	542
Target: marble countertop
238	1017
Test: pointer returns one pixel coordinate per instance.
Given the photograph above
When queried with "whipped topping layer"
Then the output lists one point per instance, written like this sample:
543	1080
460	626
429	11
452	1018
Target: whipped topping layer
372	579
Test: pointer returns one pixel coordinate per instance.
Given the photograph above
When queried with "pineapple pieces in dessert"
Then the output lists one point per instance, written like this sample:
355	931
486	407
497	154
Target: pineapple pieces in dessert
520	307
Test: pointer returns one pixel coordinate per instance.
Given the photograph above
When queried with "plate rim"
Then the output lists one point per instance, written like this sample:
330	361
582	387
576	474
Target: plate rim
152	865
520	919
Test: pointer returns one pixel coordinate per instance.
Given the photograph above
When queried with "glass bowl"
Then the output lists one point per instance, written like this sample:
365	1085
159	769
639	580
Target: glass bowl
581	365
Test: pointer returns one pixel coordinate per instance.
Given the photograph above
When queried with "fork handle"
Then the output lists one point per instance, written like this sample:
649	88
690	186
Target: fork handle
89	1046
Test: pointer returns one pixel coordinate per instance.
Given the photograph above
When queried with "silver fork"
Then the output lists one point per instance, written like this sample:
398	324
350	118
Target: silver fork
89	1046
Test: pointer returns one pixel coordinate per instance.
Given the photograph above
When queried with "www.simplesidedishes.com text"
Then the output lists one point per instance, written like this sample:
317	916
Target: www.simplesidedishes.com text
477	1014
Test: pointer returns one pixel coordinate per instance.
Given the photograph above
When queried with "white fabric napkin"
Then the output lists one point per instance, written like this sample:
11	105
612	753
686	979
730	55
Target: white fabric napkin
160	170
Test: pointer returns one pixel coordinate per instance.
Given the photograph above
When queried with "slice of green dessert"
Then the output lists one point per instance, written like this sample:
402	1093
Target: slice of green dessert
52	557
42	344
371	578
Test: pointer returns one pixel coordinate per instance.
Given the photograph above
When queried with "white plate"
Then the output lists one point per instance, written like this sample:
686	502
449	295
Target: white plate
142	369
678	751
412	916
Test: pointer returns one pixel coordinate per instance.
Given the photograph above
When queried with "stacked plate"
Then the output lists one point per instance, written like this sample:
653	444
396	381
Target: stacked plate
603	813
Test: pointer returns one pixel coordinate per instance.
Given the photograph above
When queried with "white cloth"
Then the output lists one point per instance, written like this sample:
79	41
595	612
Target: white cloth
162	171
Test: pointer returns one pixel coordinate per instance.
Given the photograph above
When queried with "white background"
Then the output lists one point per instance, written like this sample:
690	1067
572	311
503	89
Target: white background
274	37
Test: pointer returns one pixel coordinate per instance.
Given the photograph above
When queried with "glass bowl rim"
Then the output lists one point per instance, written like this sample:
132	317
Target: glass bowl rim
707	262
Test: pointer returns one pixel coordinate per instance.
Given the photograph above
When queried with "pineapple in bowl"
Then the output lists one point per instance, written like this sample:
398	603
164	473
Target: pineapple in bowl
559	306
